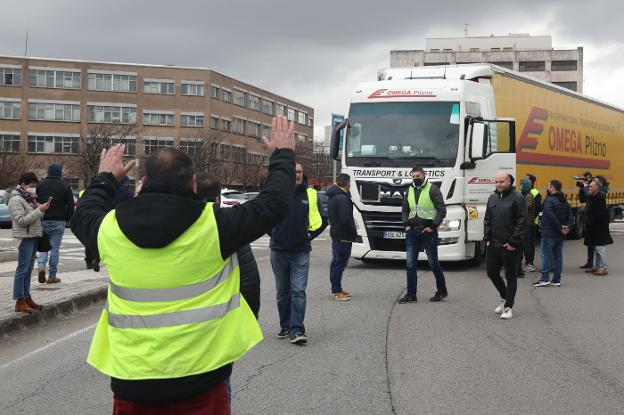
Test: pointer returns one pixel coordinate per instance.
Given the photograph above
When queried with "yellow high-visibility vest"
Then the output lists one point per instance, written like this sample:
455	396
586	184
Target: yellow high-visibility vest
314	216
424	207
173	311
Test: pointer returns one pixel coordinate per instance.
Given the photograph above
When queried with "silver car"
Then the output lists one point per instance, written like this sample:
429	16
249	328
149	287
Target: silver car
5	214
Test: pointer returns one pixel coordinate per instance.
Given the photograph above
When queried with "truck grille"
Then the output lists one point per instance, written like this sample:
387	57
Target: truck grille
377	223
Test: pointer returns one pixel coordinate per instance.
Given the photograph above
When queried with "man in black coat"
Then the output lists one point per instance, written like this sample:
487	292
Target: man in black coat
342	231
504	230
597	226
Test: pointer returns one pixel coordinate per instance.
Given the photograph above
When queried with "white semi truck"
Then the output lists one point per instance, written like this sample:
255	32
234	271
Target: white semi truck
459	123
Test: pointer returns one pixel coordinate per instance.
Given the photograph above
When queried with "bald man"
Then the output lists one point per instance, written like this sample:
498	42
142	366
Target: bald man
503	233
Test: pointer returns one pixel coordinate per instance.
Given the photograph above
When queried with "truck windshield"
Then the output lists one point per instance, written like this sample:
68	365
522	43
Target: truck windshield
401	134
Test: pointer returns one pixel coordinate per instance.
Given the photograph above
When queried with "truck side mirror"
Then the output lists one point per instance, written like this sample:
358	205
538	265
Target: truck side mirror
336	139
478	139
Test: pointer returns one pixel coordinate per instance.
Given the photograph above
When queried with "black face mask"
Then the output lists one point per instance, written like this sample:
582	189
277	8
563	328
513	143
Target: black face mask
418	182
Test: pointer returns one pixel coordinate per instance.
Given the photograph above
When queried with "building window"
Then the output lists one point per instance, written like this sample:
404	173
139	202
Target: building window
10	110
130	142
508	65
52	144
111	82
214	91
434	50
10	76
563	65
495	49
474	49
238	126
10	143
192	120
569	85
240	98
239	154
291	114
214	123
193	89
508	49
310	122
447	50
301	118
267	107
301	138
49	111
151	145
266	131
253	129
254	102
226	96
51	78
254	159
159	87
280	109
226	125
153	118
532	66
111	114
225	151
435	63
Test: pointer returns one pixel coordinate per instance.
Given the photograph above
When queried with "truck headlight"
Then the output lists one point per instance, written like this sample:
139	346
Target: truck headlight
450	225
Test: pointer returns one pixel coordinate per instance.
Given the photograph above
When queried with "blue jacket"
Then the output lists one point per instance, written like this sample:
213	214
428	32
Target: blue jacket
292	234
340	210
556	213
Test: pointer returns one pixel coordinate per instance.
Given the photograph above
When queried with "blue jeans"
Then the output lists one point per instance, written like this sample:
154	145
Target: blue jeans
601	257
56	229
291	281
26	255
416	241
552	258
341	251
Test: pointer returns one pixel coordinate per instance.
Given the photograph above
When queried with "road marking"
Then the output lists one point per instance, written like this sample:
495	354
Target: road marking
47	346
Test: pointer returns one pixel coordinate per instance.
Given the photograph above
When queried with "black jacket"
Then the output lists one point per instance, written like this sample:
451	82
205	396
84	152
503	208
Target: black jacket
420	223
160	214
556	212
292	234
249	278
62	206
340	210
505	219
597	221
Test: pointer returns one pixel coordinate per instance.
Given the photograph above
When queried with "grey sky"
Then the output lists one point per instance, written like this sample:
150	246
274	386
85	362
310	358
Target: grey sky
313	52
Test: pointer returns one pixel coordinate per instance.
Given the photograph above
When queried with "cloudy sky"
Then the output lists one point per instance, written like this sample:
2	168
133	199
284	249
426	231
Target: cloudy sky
312	51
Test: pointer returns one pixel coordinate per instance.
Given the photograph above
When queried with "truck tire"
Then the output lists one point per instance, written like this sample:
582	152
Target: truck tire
478	255
579	227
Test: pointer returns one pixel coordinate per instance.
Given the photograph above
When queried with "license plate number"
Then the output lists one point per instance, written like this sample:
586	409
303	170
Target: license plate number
394	235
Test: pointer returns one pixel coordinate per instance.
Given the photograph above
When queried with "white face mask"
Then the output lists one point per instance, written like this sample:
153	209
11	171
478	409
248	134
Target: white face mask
32	190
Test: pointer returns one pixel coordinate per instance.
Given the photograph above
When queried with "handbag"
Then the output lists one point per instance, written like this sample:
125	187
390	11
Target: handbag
43	242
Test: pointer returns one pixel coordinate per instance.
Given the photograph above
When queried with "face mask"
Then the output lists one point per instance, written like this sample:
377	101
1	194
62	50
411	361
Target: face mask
418	182
32	190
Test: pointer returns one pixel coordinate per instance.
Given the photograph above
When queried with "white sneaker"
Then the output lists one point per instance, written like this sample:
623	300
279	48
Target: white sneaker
507	314
500	308
530	268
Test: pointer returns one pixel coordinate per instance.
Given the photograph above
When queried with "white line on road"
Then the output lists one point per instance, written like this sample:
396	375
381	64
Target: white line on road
47	346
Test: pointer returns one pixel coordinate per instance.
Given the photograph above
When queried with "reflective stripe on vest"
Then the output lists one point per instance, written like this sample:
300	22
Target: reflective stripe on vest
173	311
314	216
424	209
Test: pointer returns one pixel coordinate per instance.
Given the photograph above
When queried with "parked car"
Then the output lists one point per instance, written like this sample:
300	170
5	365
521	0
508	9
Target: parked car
251	195
5	214
230	197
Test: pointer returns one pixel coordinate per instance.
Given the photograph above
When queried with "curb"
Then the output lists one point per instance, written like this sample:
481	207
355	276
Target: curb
51	311
8	256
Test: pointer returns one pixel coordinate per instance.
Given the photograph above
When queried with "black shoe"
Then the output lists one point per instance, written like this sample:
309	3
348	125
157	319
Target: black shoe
439	296
283	333
521	274
586	266
96	266
408	299
300	339
89	264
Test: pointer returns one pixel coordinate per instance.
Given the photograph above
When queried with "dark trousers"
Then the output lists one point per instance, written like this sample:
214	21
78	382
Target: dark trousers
341	251
416	241
497	258
590	255
214	401
528	245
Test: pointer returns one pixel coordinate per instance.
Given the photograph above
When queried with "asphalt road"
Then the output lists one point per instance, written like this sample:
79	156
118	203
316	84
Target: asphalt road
560	354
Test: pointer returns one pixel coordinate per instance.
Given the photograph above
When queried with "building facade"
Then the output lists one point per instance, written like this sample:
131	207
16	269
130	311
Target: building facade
534	55
52	110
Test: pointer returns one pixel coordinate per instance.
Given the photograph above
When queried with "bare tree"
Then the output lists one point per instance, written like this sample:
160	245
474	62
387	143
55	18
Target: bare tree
97	138
203	149
253	173
12	165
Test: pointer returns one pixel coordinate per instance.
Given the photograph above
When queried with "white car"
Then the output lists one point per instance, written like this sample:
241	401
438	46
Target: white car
230	197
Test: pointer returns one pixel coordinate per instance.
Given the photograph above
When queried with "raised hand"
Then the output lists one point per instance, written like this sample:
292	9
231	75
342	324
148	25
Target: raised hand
282	134
111	161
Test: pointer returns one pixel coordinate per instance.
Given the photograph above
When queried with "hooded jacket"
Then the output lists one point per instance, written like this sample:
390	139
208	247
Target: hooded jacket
556	212
292	233
340	209
160	214
505	219
62	206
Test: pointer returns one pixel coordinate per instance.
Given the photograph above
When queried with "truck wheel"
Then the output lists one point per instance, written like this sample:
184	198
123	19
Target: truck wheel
579	227
478	256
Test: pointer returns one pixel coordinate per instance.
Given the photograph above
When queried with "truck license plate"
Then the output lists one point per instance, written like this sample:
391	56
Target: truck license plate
394	235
